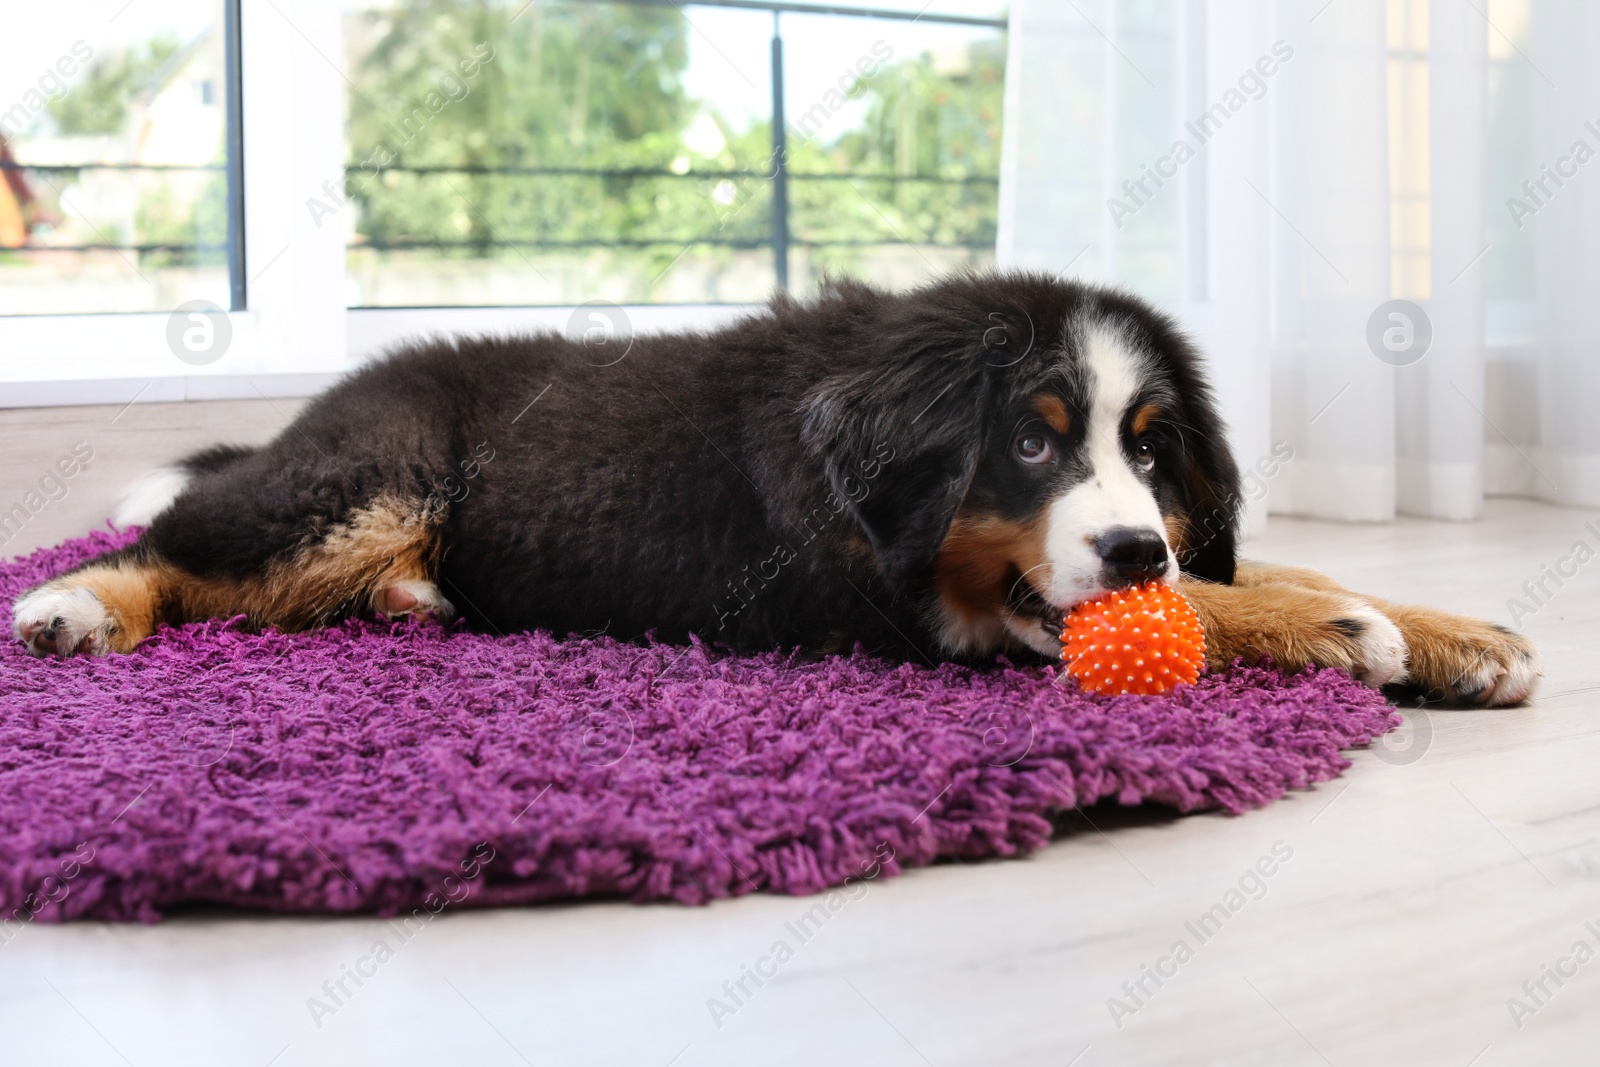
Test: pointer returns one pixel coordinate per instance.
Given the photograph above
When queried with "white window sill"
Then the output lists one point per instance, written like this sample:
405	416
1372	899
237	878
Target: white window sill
54	361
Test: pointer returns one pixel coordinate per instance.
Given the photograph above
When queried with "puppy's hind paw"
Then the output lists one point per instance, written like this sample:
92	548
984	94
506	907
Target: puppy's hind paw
412	597
62	622
1463	660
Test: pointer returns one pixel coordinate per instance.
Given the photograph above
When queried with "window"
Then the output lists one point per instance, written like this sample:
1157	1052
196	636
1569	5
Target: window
329	178
551	154
113	152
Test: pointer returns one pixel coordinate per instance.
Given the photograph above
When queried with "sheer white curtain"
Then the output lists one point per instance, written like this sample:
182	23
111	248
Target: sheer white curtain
1563	373
1322	192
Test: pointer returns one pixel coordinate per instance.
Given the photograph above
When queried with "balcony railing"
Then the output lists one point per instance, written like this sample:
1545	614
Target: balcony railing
781	237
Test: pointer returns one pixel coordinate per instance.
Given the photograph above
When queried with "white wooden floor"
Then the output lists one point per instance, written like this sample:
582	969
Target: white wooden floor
1423	889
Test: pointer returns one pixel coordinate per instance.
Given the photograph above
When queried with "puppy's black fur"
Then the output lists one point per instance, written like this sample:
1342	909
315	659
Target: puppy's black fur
787	480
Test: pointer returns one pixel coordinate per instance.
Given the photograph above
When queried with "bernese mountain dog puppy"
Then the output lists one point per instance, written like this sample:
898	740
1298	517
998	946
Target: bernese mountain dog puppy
932	475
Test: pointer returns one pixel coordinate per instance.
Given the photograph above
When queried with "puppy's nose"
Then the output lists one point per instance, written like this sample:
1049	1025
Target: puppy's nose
1132	554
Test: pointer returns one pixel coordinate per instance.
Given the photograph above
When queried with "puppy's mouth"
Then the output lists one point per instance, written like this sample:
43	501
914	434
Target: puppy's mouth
1025	604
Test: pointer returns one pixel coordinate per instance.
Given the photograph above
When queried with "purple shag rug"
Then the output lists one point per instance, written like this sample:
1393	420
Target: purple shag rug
388	768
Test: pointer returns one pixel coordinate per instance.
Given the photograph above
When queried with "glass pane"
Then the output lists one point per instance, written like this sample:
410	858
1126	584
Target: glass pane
924	9
1144	102
113	186
501	153
1509	267
894	146
550	154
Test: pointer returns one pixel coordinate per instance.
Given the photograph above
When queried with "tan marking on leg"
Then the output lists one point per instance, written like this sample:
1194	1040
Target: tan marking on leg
1296	626
1284	612
133	594
390	544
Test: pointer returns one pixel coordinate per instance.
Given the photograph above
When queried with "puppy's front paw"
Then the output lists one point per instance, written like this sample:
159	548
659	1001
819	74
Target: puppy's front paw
1463	660
62	622
1372	648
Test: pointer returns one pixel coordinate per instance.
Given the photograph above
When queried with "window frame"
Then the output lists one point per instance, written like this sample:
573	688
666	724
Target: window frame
288	338
292	334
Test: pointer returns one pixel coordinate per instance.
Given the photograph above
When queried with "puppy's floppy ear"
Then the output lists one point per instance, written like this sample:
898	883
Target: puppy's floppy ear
1209	495
899	442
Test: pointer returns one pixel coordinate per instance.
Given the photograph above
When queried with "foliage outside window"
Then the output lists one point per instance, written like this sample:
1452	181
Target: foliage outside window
552	154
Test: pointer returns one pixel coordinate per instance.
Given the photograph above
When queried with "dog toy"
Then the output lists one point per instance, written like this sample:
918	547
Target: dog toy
1144	639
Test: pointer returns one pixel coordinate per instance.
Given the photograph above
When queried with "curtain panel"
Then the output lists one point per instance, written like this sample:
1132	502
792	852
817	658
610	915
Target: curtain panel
1381	218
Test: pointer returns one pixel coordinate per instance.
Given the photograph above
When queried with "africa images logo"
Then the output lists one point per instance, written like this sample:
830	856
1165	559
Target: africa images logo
198	332
1399	332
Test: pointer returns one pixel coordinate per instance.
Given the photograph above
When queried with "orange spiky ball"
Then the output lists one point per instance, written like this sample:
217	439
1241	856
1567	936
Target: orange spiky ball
1144	639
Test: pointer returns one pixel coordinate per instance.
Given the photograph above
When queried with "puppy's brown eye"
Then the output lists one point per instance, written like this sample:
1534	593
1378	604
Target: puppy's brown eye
1144	456
1035	448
